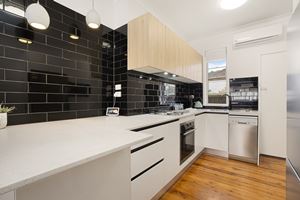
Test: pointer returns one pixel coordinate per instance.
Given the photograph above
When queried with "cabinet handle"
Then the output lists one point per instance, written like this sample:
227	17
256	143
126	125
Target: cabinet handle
147	145
141	173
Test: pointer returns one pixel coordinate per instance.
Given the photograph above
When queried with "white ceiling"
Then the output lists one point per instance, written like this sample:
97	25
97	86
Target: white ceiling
113	13
193	19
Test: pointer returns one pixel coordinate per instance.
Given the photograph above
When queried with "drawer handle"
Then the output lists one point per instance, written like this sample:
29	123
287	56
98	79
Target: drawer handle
147	145
243	123
143	172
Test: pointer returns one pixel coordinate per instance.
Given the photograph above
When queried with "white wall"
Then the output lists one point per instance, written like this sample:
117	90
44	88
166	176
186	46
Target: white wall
295	4
125	11
245	61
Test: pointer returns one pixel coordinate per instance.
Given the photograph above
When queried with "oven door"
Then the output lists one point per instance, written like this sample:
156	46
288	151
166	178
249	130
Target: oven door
187	145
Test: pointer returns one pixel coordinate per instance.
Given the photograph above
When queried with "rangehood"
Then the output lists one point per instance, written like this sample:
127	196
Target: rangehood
164	74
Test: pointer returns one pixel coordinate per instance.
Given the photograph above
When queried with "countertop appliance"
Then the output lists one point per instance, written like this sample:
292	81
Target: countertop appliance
243	138
187	140
293	108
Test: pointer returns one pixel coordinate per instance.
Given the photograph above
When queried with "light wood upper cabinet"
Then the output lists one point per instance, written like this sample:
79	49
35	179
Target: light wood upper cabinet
146	46
152	44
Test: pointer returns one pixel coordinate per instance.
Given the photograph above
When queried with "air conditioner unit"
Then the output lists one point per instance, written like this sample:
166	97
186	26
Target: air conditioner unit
258	35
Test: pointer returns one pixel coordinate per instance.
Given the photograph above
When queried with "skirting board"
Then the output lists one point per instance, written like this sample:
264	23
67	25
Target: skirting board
215	152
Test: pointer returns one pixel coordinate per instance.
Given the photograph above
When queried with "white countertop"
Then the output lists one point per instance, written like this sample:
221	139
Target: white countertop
244	112
34	151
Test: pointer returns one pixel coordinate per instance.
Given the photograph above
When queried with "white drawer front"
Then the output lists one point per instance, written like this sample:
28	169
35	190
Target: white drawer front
144	158
148	184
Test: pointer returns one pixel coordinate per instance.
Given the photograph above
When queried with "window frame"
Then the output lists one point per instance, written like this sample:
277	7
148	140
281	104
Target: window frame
206	85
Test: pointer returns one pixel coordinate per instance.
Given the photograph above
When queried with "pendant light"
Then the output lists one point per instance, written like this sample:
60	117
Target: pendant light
37	16
92	18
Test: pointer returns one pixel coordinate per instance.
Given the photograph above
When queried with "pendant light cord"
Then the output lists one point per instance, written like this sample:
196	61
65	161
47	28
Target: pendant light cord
93	4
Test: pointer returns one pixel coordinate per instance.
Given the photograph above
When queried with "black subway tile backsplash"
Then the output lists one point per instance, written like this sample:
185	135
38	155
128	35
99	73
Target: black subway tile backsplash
49	107
10	86
61	98
25	97
14	119
60	62
61	80
45	88
1	74
1	51
2	97
61	116
15	53
43	68
8	63
36	57
57	78
46	49
75	90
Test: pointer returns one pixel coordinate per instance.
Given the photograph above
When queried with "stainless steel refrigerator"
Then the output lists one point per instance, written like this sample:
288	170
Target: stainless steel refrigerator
293	108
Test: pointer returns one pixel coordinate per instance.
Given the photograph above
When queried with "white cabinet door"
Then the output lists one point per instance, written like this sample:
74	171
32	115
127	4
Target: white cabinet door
172	151
8	196
200	124
216	134
273	92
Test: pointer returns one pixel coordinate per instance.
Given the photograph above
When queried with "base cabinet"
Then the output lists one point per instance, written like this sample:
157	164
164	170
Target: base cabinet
216	134
146	186
155	162
212	131
200	125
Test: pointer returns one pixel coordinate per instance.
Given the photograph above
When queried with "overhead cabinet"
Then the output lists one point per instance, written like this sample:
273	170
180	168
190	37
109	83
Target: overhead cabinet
154	48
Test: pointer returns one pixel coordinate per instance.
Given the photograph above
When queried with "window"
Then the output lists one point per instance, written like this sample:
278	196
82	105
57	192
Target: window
216	82
16	7
167	93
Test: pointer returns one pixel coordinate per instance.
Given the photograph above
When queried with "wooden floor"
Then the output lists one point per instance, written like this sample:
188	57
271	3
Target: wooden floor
215	178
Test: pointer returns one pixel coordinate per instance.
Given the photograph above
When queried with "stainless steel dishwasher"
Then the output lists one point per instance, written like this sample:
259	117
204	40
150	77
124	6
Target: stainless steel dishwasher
243	138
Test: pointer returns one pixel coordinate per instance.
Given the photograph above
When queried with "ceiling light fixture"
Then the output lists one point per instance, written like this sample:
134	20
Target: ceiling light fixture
37	16
231	4
174	75
92	18
166	73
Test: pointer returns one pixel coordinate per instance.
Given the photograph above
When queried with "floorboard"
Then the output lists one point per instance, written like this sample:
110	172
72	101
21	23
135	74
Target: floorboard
216	178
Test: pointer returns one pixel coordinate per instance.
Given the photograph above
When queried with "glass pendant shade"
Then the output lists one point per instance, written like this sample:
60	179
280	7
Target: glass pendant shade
37	16
93	19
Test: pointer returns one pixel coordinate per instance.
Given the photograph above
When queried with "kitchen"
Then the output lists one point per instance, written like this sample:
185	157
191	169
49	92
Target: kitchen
131	99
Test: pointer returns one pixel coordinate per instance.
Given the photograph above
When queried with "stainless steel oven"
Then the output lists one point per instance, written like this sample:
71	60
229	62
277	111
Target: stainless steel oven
187	140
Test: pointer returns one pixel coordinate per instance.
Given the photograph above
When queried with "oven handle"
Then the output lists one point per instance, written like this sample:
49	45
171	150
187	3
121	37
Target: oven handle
189	132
